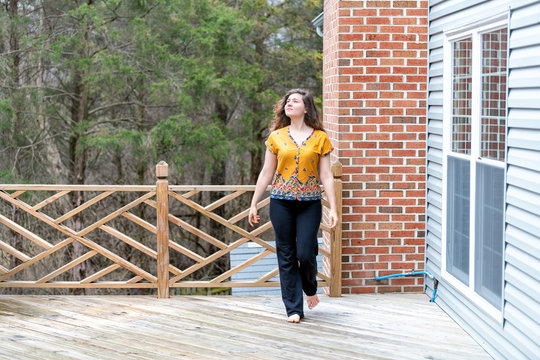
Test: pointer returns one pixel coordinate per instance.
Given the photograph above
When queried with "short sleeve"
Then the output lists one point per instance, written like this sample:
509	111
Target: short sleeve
325	146
271	144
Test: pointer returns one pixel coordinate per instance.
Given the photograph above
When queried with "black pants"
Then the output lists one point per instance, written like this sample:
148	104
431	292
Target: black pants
296	224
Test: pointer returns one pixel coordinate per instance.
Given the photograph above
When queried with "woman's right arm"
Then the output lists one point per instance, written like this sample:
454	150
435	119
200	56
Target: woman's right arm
265	177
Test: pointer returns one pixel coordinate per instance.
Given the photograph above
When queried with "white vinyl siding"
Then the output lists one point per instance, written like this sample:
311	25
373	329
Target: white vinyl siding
522	242
516	336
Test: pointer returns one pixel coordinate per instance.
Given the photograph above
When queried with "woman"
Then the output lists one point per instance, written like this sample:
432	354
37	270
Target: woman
296	162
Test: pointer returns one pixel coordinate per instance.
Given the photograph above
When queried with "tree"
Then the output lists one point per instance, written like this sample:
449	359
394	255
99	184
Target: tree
115	85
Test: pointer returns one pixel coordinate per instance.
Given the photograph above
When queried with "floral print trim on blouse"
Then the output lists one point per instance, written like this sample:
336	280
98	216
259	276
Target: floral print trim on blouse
297	170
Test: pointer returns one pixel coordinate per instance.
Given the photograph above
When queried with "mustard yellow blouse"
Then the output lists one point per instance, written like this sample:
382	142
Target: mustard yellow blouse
297	170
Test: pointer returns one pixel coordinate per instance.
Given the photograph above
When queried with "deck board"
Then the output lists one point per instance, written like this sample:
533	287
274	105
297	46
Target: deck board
389	326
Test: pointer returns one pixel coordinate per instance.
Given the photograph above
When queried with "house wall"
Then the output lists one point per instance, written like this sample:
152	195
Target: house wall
375	79
515	334
522	253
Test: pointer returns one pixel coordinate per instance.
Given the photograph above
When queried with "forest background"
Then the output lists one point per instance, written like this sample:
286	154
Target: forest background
99	91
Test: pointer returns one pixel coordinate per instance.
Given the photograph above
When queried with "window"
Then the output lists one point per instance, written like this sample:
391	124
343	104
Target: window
475	156
462	96
493	128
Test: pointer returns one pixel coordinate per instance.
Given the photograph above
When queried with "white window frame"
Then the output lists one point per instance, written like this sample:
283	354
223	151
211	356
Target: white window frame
474	31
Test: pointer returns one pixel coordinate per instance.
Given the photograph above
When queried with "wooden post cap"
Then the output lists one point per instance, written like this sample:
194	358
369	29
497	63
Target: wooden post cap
337	169
162	169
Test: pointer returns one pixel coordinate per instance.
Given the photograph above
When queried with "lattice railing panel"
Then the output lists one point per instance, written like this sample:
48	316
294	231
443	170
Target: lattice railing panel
238	235
157	236
91	225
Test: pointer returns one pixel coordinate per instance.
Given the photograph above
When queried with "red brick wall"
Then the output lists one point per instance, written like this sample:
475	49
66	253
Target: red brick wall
374	88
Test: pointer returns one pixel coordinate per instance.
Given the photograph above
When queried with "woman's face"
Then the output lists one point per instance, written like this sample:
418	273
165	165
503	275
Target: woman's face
294	107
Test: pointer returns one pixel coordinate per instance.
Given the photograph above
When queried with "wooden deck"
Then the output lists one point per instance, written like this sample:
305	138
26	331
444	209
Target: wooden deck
392	326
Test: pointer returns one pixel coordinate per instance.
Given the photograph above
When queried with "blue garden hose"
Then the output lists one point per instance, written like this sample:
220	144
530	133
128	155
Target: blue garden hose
435	281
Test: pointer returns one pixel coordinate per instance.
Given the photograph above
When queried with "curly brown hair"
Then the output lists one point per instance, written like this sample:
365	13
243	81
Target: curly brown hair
311	118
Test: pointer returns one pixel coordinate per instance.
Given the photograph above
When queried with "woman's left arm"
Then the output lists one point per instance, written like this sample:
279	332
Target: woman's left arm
327	179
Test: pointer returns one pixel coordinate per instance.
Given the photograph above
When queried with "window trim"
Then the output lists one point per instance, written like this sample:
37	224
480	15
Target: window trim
474	31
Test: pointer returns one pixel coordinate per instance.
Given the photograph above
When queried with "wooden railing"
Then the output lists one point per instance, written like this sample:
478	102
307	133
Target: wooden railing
163	274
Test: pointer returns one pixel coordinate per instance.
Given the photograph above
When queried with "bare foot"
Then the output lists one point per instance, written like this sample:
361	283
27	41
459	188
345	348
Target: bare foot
312	301
295	318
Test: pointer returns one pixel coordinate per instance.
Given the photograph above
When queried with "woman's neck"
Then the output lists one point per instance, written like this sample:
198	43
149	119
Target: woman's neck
298	124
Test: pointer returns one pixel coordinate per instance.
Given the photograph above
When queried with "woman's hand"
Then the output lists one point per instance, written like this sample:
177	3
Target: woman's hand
253	217
332	218
265	177
327	179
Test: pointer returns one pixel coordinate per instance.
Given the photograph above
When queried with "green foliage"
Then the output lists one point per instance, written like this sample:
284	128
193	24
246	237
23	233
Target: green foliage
6	114
7	177
183	142
116	140
179	80
97	92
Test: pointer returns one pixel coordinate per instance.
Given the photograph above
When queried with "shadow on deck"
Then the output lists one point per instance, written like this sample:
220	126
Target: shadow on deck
391	326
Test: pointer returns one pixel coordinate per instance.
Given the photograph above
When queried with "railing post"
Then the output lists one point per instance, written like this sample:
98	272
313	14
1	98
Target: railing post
162	206
335	234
